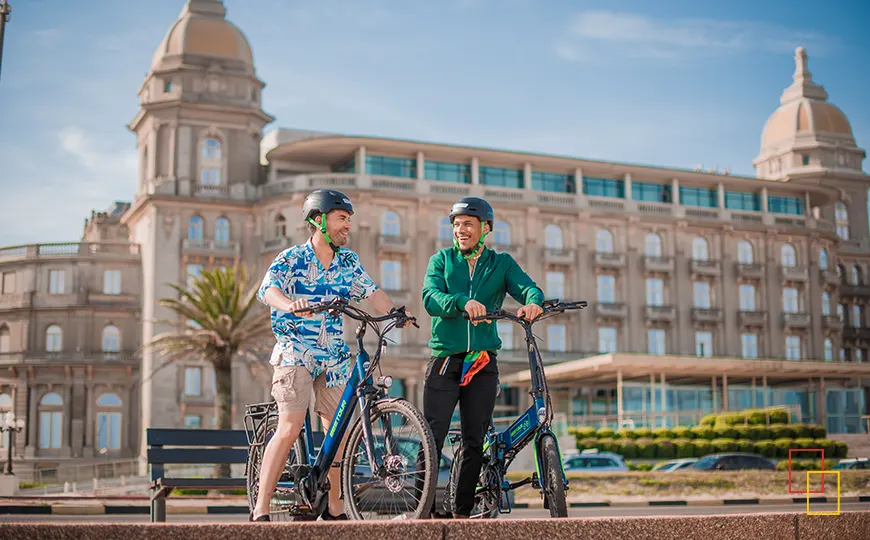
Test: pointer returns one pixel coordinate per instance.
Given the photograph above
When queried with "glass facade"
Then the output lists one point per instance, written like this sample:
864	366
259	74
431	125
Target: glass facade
391	166
703	197
438	171
736	200
348	166
498	176
641	191
557	183
785	205
604	187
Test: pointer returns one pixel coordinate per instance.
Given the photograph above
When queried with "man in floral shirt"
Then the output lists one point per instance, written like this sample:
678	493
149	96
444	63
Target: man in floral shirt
310	354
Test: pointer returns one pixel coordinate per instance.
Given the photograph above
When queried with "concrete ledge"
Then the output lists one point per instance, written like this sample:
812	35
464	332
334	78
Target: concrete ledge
850	525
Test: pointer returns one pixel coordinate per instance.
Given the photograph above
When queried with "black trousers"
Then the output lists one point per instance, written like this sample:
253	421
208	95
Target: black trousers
441	392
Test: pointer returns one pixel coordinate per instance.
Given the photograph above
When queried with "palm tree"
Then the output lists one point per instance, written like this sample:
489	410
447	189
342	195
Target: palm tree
218	319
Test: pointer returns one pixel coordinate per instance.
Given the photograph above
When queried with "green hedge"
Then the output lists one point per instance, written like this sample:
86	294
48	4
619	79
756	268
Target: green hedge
650	448
748	417
708	432
806	465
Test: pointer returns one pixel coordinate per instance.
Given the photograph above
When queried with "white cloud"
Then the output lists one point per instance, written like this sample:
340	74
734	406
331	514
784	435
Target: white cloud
76	143
604	34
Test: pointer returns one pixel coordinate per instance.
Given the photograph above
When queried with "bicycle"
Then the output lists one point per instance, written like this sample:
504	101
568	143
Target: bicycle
501	447
372	464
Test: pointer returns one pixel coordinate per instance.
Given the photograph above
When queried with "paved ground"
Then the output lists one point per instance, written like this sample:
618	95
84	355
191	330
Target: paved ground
517	514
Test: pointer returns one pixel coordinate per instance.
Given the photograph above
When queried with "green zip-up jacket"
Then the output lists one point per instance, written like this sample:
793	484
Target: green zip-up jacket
448	286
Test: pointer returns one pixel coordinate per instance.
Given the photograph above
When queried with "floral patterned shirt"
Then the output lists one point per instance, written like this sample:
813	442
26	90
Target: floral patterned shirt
316	343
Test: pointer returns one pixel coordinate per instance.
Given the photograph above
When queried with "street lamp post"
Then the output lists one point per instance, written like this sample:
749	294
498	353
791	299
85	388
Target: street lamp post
10	425
5	10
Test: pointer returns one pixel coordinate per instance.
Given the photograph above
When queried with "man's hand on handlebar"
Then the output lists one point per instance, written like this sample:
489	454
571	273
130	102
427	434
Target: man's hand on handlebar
476	309
297	307
530	312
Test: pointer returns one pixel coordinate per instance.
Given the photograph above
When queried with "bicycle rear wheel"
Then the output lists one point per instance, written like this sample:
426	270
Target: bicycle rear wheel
485	503
554	485
405	450
264	434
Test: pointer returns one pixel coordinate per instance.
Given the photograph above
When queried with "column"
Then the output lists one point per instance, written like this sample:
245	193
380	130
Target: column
720	188
361	160
421	166
664	398
725	392
527	176
713	392
675	191
66	448
764	391
578	180
627	180
475	171
652	400
822	404
89	420
619	405
32	422
152	151
173	134
764	200
807	210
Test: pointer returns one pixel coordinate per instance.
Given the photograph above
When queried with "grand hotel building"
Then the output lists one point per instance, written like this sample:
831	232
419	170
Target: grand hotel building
706	290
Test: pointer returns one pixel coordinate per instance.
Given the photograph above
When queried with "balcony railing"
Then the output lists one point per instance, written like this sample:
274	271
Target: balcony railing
69	249
658	264
795	273
559	255
705	268
796	320
611	310
832	322
604	259
71	357
400	244
706	315
750	270
660	313
210	247
752	318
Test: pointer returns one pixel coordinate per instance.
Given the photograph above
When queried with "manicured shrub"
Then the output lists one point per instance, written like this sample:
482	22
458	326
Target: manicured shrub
704	432
665	449
766	448
627	448
725	432
626	433
782	431
585	432
725	445
702	447
605	433
682	432
643	433
663	433
708	420
646	448
745	445
759	433
840	450
685	448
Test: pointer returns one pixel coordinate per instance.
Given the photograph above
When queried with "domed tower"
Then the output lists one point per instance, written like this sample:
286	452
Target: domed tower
806	134
198	132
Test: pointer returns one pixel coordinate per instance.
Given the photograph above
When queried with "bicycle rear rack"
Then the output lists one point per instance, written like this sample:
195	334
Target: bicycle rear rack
256	415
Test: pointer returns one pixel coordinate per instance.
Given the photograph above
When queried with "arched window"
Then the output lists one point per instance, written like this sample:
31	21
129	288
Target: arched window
53	339
210	162
604	241
5	345
788	256
445	229
856	275
699	249
194	228
502	233
109	422
390	224
745	253
50	421
826	303
829	350
280	226
823	259
111	340
841	218
652	245
553	237
222	231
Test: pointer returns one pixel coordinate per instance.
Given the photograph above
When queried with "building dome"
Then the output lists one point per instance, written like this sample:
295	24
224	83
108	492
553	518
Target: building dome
202	31
804	110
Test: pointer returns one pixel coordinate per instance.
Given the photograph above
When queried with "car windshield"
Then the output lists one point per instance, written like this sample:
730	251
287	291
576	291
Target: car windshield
706	463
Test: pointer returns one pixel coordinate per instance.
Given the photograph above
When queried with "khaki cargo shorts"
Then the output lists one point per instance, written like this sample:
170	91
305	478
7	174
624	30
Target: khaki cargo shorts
292	387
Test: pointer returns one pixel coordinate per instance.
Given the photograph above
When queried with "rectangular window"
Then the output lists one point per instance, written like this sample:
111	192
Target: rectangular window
704	344
702	294
856	316
391	275
785	205
556	338
505	334
553	182
112	282
749	345
655	292
606	339
194	271
656	341
56	281
606	289
192	421
498	176
738	200
703	197
109	430
792	348
604	187
555	285
458	173
391	166
642	191
7	286
790	300
193	381
50	426
747	298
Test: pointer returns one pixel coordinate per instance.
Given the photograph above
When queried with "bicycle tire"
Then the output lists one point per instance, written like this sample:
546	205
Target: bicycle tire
252	470
554	486
480	509
352	506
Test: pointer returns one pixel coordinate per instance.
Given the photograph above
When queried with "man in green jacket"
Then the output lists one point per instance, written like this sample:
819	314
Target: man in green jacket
468	279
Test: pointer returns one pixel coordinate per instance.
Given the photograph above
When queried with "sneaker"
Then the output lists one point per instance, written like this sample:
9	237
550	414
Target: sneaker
264	517
326	516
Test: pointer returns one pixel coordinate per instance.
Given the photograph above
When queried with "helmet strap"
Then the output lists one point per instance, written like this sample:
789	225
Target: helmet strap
474	252
322	228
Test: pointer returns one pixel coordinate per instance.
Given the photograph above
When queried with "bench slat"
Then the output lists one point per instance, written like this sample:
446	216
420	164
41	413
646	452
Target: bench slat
202	483
195	437
197	456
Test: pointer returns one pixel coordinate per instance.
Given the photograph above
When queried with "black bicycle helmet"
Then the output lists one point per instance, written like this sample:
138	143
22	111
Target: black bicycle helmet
473	206
321	202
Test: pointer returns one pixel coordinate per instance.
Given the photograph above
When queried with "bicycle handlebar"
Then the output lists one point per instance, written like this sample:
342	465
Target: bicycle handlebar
550	306
341	305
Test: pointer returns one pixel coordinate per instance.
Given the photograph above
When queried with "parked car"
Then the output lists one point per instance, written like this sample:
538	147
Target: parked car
736	461
853	464
674	464
594	461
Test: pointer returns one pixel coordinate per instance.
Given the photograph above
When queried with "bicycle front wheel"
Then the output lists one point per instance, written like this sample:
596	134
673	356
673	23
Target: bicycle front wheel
554	485
401	484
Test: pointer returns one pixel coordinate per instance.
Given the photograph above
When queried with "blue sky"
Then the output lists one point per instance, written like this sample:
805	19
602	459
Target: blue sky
678	84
